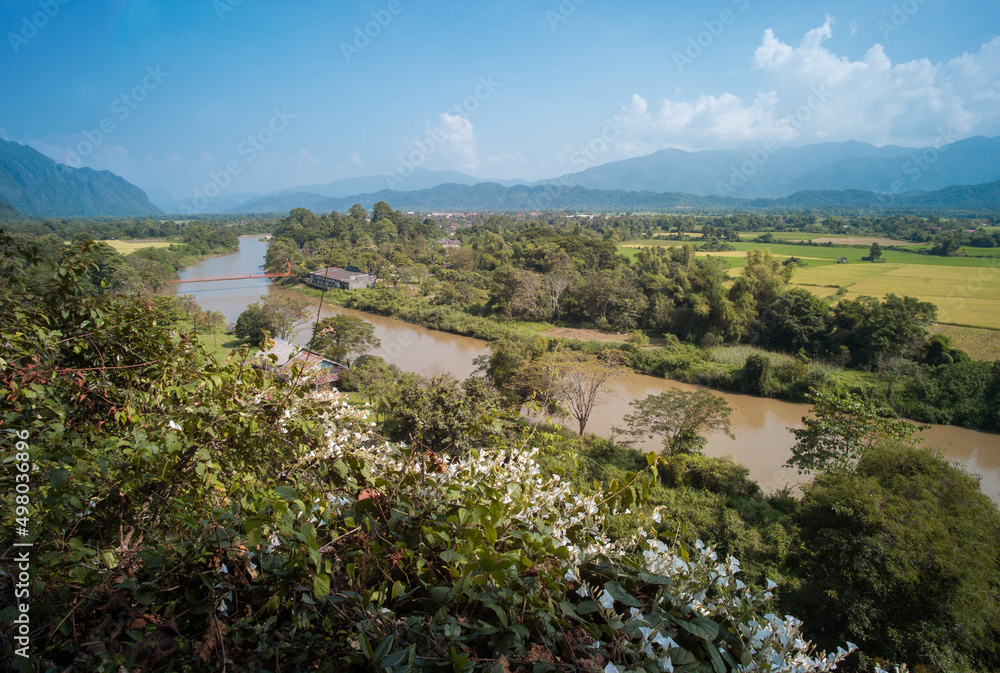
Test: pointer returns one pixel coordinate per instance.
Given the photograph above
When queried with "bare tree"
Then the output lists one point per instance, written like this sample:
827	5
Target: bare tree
554	285
580	381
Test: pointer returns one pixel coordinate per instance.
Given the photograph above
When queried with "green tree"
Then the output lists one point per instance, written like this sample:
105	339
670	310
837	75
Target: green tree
444	415
339	337
841	429
279	315
679	419
796	320
875	252
872	328
901	556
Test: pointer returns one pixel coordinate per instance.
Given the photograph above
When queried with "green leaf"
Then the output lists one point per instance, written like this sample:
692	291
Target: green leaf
452	556
622	596
659	580
59	478
393	660
384	646
702	628
321	585
440	594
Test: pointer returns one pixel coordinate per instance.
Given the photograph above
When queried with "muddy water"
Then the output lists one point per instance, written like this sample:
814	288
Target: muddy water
760	425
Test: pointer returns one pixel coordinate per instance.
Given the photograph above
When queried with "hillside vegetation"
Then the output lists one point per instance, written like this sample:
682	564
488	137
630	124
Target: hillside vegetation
35	185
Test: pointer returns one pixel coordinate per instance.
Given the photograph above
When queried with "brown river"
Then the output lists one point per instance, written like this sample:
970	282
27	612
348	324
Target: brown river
762	442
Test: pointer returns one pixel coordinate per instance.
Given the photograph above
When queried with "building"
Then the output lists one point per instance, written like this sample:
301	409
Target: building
351	278
841	260
289	362
450	243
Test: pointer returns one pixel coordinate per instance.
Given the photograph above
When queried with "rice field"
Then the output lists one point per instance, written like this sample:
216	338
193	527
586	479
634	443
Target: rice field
966	290
131	245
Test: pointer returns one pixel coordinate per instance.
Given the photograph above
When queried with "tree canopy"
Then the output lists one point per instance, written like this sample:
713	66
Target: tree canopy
679	419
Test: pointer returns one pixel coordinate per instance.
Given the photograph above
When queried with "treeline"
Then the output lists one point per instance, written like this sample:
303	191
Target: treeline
569	272
145	270
104	229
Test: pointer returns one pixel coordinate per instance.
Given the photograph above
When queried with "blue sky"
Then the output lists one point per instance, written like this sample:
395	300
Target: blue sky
264	95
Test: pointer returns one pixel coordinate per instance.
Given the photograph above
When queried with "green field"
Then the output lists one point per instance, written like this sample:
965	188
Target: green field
131	245
966	290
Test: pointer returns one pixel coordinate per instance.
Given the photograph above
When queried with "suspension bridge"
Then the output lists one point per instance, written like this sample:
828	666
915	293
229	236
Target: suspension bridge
242	276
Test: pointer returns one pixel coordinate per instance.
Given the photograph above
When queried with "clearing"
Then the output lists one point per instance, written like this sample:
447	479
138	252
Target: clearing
133	244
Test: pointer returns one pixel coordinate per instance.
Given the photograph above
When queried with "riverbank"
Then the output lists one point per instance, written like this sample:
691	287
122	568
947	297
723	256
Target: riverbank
735	369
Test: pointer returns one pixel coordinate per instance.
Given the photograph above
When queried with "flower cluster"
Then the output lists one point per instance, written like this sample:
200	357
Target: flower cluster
699	594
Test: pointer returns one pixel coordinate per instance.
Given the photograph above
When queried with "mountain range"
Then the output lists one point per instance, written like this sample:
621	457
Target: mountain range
495	197
764	172
961	175
33	184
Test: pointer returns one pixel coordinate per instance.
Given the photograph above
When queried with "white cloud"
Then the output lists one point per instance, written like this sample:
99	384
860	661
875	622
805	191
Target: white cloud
355	159
455	143
809	94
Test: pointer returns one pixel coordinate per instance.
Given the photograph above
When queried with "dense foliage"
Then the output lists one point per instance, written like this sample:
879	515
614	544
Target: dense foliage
185	512
557	268
902	555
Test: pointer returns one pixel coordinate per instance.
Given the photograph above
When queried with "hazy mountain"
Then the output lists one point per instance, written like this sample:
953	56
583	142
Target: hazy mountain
495	197
220	204
35	185
418	179
280	203
971	161
770	171
8	214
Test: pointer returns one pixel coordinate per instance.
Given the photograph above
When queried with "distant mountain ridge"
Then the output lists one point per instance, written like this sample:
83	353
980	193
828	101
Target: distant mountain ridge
35	185
495	197
770	171
403	182
767	171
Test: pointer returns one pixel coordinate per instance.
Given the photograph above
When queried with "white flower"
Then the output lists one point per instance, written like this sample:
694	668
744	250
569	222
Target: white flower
666	665
665	643
656	516
606	600
610	668
173	425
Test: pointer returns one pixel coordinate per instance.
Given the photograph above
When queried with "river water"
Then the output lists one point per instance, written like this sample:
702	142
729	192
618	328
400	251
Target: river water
761	426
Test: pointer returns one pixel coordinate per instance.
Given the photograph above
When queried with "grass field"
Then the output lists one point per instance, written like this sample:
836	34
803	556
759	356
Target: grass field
966	290
981	344
130	246
842	239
